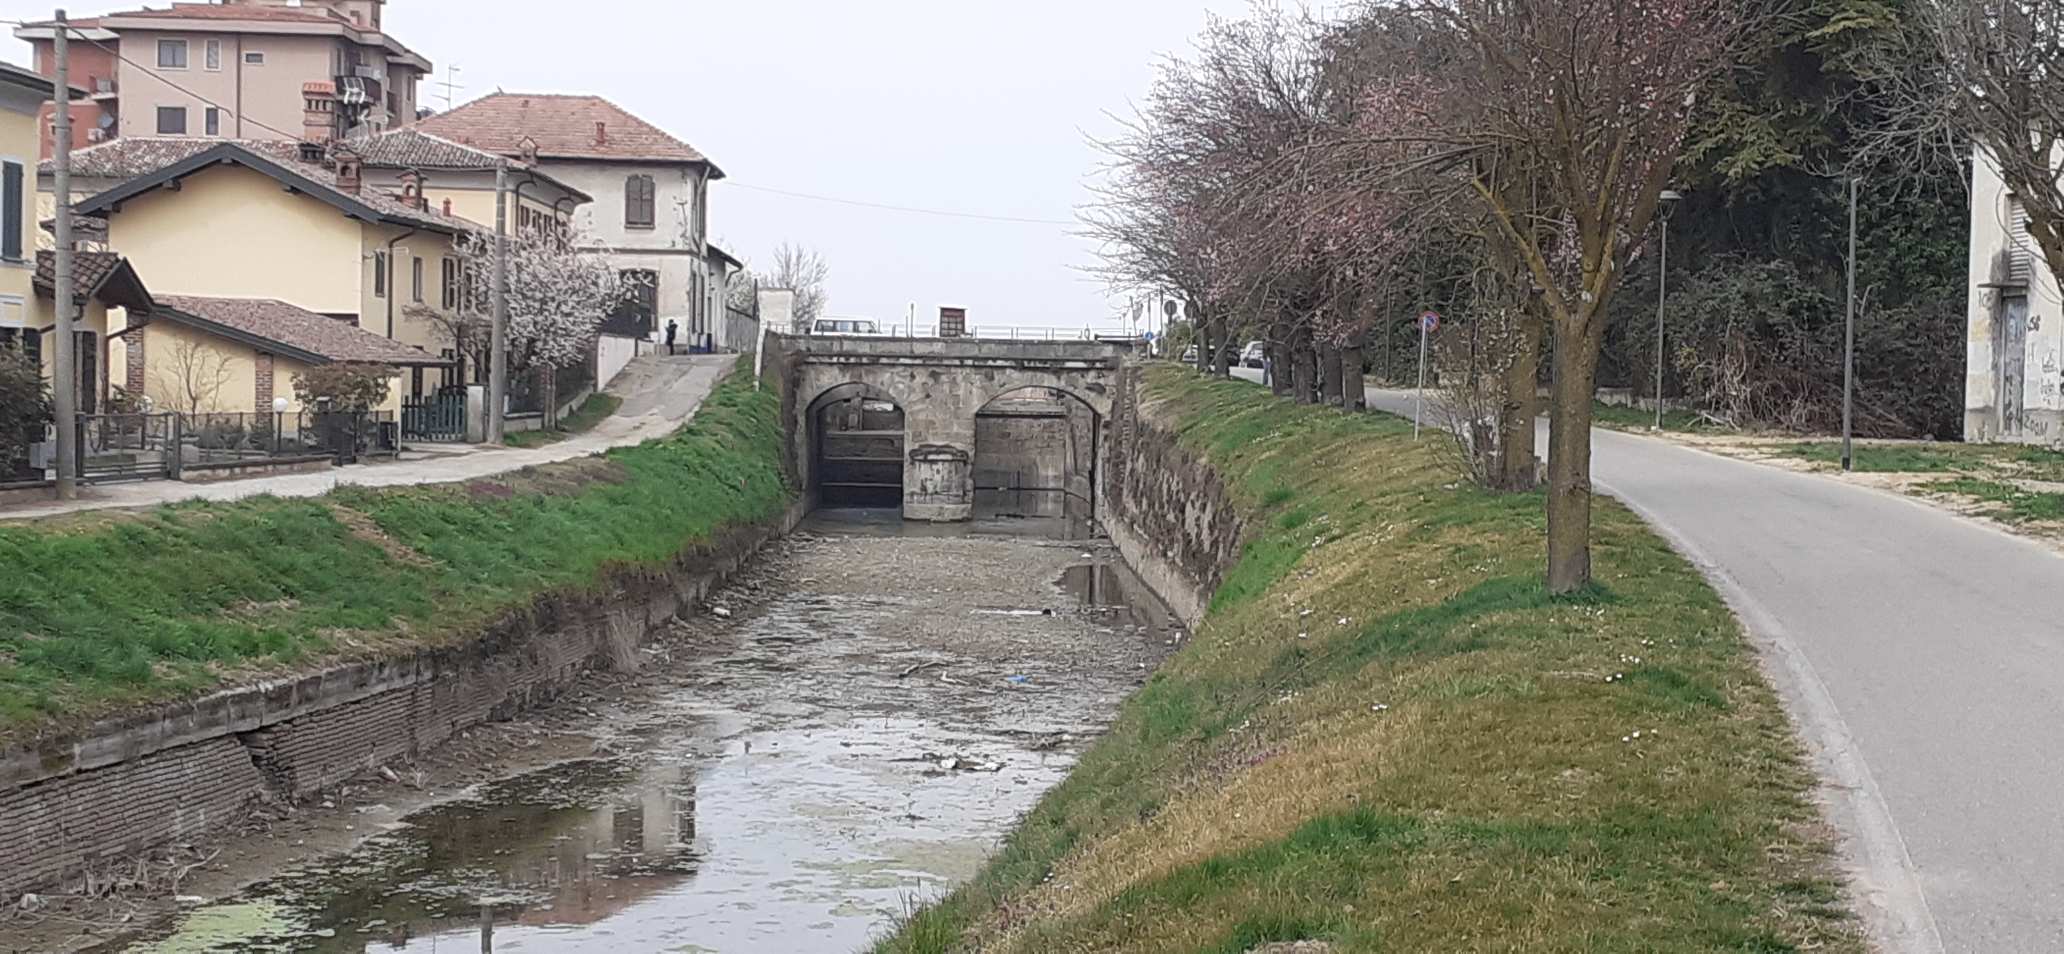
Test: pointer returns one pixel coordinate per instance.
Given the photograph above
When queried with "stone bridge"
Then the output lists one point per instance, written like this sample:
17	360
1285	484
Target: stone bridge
940	386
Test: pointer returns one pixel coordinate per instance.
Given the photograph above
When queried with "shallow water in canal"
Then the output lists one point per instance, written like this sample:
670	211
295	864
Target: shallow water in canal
881	705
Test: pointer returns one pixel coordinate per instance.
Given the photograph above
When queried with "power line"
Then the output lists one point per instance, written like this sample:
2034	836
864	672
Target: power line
296	136
904	208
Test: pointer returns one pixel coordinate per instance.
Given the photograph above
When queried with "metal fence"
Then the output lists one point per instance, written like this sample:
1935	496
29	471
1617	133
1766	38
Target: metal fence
115	447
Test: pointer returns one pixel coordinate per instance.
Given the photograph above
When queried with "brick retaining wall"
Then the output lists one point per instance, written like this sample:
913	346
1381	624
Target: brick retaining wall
179	771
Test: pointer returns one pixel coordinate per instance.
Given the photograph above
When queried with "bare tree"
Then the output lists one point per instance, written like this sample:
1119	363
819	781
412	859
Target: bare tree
1984	73
192	376
803	271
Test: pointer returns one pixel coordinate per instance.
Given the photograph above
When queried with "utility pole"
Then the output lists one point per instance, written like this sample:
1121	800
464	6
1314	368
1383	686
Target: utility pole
1849	344
1669	199
65	370
498	338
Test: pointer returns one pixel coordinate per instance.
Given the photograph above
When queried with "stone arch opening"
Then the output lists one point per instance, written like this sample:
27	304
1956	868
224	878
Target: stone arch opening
857	437
1037	454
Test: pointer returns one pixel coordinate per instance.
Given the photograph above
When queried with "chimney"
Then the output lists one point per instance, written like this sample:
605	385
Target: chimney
349	178
412	191
601	133
447	207
318	111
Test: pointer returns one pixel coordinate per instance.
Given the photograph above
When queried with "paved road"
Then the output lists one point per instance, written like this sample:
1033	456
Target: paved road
659	394
1922	656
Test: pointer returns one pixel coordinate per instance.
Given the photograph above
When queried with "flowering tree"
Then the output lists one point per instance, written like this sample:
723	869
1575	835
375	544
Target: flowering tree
558	297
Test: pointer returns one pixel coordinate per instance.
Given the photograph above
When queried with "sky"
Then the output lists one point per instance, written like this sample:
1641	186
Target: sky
974	106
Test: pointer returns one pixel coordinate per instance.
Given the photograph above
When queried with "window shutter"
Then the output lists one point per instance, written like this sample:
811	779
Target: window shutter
2020	247
11	210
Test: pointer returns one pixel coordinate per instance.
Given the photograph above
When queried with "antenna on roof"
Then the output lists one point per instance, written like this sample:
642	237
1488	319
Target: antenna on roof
450	83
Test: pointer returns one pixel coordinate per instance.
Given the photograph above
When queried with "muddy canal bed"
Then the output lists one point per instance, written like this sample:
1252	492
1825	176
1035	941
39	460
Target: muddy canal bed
853	731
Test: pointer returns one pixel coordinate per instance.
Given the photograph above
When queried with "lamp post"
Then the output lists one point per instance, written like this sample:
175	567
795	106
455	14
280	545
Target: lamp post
1670	198
1849	341
279	420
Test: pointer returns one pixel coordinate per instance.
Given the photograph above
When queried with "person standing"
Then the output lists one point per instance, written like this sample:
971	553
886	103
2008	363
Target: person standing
673	329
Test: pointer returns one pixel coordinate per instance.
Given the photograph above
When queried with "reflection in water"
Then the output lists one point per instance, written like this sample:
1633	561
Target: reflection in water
794	790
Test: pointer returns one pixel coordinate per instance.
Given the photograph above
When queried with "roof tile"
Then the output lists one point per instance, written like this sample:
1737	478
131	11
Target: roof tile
561	126
297	328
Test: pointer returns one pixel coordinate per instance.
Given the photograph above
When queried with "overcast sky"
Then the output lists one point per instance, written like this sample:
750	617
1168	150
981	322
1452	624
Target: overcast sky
974	106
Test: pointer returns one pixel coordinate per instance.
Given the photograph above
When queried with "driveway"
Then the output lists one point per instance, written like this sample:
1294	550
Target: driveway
1921	656
659	393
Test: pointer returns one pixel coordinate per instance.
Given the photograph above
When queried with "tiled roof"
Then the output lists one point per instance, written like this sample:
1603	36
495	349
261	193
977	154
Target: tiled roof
294	328
412	148
563	127
318	181
89	270
139	155
234	11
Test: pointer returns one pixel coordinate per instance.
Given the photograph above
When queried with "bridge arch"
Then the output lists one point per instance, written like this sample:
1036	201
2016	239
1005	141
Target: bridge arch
1038	452
855	443
942	385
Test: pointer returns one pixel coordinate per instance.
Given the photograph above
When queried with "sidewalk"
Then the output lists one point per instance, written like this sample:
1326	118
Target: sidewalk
660	393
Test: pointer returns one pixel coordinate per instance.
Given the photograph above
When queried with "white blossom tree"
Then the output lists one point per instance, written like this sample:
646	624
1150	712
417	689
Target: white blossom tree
558	297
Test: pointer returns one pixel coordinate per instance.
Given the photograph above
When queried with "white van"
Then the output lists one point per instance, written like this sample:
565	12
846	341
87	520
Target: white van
852	327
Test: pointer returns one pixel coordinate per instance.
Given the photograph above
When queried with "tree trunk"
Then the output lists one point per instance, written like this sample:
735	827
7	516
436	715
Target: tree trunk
1330	389
1516	470
1355	397
1569	459
1304	367
551	376
1279	369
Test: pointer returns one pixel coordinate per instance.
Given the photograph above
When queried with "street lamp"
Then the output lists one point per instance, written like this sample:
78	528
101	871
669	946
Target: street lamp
1670	198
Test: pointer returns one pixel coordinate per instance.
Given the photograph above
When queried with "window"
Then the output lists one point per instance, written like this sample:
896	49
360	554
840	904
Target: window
416	280
638	202
213	57
641	305
171	120
254	58
171	54
212	121
11	211
379	274
449	272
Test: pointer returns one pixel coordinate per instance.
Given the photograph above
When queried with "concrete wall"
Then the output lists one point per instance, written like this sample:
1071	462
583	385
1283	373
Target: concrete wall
179	770
2014	367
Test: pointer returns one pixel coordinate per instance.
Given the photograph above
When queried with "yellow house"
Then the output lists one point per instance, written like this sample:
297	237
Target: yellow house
200	355
234	222
100	281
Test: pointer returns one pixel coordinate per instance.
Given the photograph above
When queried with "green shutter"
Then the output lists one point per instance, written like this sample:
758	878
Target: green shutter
11	210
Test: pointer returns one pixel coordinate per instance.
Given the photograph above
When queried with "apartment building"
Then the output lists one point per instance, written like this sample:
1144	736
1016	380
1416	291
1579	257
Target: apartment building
236	69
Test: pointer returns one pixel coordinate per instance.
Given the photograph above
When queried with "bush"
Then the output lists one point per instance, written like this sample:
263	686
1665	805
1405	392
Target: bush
25	409
343	386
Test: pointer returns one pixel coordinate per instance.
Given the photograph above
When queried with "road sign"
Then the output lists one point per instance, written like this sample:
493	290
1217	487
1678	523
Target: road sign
1429	322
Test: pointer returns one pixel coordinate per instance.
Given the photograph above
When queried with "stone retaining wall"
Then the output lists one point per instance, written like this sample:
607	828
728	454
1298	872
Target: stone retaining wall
178	771
1168	512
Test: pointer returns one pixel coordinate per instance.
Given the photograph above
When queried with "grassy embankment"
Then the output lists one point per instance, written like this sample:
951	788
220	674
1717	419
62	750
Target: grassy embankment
103	610
1622	417
599	405
1389	737
2011	483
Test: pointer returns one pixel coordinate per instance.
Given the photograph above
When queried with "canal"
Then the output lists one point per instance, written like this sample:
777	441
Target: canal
848	733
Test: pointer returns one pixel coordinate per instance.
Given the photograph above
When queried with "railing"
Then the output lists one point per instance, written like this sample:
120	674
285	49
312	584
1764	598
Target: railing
1011	333
127	446
213	438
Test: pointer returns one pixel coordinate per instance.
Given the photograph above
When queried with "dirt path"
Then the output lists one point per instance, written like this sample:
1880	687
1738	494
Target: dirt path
659	394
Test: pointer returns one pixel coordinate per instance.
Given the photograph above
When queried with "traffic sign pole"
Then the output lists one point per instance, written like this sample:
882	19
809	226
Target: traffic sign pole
1427	323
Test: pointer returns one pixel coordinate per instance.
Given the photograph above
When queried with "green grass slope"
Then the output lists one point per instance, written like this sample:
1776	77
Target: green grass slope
106	610
1387	736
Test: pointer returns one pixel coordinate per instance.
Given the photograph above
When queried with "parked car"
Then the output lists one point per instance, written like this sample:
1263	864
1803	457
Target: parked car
1256	355
1189	355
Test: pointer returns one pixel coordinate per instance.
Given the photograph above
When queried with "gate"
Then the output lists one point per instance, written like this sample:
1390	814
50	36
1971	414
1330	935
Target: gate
439	417
127	446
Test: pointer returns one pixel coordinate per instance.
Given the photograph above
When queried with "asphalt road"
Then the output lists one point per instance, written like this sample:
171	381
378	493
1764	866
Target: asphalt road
1921	656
